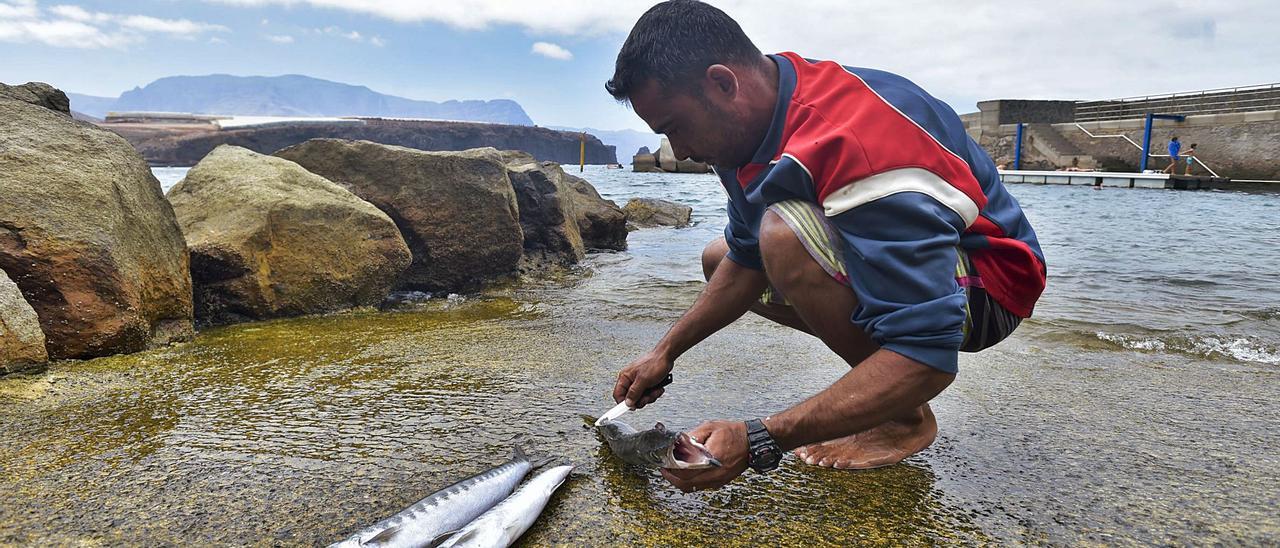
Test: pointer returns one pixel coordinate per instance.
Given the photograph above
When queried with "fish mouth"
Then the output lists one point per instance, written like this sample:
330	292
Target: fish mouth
686	453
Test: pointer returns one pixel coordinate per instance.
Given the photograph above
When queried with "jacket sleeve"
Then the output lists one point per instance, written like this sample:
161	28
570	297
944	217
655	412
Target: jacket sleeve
742	235
901	233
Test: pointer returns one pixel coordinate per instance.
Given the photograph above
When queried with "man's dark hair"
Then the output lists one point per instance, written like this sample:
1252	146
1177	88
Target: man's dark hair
673	44
1175	138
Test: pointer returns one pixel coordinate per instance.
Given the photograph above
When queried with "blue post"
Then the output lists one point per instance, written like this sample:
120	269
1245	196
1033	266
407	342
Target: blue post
1146	144
1017	149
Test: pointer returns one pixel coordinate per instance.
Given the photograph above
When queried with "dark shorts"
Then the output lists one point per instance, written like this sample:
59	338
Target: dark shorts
987	322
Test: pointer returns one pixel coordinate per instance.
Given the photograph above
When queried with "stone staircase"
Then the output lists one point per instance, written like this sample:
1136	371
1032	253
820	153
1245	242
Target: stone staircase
1056	149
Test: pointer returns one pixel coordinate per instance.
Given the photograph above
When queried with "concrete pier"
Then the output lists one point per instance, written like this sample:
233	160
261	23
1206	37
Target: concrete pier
1113	179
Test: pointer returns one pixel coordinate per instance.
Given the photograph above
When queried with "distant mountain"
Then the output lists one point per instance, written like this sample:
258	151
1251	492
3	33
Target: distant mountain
290	95
627	141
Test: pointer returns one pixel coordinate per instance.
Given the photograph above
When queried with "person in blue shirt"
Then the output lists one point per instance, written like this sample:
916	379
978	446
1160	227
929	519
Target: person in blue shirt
1174	148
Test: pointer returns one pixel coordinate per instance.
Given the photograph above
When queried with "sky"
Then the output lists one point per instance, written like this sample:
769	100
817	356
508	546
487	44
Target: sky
553	56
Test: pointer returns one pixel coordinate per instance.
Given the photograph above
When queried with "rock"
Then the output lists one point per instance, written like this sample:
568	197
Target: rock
21	341
648	212
39	94
548	212
88	237
456	210
644	162
269	239
666	156
601	222
690	166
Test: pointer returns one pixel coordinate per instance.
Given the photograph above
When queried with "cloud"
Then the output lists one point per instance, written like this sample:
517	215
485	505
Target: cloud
960	51
352	35
553	51
70	26
280	38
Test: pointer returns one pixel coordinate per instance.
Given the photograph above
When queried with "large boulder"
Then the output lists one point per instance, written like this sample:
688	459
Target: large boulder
39	94
649	212
270	239
602	224
457	211
88	237
667	157
548	212
21	341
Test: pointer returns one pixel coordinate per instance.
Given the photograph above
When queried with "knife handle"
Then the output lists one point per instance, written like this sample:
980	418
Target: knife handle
665	381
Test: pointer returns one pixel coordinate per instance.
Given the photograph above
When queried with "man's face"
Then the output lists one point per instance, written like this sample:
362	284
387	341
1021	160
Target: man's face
703	127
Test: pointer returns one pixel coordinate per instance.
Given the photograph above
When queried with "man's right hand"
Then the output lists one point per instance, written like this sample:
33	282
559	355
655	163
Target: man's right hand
638	376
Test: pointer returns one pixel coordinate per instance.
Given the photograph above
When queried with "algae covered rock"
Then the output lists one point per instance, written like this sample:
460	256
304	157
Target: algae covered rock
21	341
649	212
456	210
88	237
270	239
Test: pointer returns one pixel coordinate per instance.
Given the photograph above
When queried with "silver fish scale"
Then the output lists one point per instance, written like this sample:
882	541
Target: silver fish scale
446	510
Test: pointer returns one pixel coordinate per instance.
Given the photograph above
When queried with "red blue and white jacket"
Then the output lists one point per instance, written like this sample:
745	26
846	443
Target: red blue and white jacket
905	186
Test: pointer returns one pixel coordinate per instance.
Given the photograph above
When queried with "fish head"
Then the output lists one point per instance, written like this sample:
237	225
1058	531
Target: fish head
686	453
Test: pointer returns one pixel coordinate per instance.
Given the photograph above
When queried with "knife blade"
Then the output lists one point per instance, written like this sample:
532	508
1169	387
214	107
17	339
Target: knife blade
621	408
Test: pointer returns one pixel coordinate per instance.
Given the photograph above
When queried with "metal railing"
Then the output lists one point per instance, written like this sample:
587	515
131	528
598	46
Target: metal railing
1210	101
1139	147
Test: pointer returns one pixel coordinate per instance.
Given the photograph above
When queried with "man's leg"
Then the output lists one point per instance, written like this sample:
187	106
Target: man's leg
822	307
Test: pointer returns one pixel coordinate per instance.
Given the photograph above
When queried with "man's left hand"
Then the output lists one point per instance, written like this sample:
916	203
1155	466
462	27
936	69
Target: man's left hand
727	440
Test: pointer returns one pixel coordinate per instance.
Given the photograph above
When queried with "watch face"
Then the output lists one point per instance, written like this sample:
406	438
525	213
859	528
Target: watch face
766	458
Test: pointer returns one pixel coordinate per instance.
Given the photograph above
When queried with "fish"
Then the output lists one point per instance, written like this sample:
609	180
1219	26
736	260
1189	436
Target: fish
443	513
659	446
504	523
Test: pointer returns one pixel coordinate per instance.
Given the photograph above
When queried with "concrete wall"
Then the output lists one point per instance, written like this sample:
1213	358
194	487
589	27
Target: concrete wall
1237	145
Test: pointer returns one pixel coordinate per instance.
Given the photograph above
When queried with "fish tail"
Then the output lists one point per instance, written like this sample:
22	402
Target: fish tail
517	454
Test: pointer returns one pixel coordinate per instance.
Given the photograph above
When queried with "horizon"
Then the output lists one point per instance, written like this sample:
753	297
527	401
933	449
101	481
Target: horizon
555	67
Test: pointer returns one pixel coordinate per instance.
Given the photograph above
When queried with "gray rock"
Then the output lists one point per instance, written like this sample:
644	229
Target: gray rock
39	94
666	156
601	222
87	235
456	210
270	239
648	212
21	341
548	211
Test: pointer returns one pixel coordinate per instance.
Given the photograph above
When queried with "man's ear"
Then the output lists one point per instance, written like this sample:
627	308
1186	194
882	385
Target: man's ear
721	81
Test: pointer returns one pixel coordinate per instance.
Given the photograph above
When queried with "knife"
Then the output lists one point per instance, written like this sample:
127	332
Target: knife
621	408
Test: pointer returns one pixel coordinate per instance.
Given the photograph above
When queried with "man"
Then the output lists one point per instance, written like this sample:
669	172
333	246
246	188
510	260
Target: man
859	212
1174	148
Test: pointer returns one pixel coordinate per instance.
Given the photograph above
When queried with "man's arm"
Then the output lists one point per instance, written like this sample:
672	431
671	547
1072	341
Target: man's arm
728	295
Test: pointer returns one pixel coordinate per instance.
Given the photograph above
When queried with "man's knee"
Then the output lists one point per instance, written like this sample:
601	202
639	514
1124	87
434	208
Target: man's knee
712	255
784	256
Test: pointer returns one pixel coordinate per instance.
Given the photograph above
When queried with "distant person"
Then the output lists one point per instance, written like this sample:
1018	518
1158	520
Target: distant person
1191	158
860	212
1174	148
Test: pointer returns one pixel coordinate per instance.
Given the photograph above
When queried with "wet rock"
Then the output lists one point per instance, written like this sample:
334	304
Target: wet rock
548	212
270	239
39	94
88	237
648	212
602	224
457	211
21	341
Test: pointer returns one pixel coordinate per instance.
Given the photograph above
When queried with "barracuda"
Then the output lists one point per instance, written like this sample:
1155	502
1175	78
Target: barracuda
504	523
657	447
432	519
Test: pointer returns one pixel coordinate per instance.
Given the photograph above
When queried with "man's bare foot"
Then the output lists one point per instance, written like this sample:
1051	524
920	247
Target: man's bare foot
883	445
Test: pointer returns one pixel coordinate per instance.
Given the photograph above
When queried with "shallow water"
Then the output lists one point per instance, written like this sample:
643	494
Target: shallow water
297	432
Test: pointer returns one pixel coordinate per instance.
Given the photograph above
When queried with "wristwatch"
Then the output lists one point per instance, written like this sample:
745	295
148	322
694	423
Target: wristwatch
763	454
